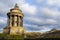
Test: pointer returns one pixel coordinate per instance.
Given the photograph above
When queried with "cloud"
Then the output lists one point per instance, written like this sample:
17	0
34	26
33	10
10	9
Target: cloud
2	7
3	20
41	21
49	2
40	25
49	12
34	19
53	2
36	28
38	1
51	21
30	9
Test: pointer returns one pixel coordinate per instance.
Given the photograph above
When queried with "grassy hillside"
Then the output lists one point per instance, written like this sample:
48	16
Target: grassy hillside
54	34
7	37
32	35
50	34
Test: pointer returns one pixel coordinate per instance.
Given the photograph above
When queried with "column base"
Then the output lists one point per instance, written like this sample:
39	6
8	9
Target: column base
14	30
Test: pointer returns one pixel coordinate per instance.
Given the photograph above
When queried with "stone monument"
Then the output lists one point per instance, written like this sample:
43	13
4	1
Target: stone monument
15	22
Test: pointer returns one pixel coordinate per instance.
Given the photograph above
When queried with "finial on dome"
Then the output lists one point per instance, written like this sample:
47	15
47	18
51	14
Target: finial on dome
16	5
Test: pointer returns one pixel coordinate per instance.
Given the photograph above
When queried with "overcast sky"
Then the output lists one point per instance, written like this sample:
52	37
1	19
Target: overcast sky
39	15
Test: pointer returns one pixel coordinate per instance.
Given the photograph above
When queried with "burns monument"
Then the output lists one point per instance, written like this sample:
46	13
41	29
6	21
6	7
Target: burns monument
14	22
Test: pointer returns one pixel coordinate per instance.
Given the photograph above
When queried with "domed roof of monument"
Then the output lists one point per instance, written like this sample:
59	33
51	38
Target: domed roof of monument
16	7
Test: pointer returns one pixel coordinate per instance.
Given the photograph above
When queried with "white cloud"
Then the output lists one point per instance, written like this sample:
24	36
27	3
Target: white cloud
53	2
3	20
30	9
37	28
51	21
35	20
18	1
39	21
44	29
32	26
38	1
3	8
50	12
49	2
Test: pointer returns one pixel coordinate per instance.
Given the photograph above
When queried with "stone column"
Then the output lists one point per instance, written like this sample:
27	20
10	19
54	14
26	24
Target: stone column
22	21
18	21
10	20
15	20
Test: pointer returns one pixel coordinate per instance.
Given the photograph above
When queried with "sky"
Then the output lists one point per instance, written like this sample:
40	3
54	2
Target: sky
39	15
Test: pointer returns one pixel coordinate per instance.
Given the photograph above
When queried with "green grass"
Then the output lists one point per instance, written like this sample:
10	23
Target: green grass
7	37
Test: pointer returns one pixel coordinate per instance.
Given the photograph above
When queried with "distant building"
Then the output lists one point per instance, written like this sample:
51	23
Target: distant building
15	22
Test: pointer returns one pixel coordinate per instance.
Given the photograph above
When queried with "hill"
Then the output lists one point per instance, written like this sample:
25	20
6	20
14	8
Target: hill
33	35
50	34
